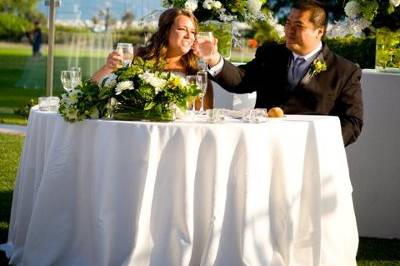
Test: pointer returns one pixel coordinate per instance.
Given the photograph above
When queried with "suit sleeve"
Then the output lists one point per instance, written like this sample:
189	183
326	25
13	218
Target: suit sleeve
243	79
349	108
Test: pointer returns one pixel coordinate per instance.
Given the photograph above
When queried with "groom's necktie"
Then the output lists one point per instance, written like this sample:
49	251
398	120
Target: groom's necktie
296	69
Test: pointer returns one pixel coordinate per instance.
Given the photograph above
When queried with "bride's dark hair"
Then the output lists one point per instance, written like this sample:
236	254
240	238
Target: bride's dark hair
158	43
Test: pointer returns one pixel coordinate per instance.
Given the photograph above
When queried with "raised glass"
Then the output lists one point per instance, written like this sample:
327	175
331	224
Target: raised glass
126	51
205	41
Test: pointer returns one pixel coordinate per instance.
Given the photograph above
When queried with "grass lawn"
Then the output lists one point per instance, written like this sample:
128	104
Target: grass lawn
372	252
23	77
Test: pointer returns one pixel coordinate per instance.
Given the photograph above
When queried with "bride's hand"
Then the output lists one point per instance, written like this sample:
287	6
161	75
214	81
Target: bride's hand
114	60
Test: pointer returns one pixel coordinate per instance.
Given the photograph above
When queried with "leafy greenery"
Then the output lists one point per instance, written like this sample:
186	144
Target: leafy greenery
388	48
357	50
12	27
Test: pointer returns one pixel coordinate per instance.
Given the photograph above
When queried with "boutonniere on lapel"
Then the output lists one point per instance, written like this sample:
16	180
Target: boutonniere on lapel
318	66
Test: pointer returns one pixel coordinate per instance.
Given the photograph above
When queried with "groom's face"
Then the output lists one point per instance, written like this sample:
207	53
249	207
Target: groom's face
301	34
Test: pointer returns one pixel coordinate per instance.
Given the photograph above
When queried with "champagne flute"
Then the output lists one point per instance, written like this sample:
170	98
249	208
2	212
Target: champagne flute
69	79
126	51
192	79
201	81
205	41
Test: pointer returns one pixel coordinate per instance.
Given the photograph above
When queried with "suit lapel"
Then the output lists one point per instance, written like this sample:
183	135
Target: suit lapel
310	72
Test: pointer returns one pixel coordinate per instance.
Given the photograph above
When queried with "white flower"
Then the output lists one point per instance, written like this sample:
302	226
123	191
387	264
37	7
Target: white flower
352	9
154	81
123	85
207	4
72	114
216	5
191	5
395	3
109	81
254	6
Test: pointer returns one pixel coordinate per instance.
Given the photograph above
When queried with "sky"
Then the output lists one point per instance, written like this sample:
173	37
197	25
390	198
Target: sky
86	9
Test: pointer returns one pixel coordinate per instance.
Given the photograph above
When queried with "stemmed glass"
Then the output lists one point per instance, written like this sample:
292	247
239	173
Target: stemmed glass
201	81
205	41
78	70
192	79
126	51
70	79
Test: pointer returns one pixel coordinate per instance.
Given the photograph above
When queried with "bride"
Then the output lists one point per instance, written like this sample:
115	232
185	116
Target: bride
172	43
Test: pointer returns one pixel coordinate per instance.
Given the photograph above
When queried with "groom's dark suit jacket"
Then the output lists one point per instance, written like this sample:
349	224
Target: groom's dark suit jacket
335	91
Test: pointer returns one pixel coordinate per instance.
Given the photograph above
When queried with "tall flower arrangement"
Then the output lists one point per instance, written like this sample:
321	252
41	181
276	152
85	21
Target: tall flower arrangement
376	13
221	10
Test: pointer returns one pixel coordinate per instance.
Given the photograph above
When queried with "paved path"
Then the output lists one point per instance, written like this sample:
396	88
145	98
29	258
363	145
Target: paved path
13	129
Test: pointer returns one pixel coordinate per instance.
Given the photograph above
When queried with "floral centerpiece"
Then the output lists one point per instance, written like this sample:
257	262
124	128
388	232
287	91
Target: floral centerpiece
140	91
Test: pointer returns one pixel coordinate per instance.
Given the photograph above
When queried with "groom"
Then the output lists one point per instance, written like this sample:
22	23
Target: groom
301	76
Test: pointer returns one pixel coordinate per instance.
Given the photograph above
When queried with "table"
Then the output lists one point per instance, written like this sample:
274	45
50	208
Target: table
374	157
103	192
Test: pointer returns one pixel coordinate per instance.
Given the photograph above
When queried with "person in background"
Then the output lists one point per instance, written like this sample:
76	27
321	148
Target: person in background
172	43
35	38
301	76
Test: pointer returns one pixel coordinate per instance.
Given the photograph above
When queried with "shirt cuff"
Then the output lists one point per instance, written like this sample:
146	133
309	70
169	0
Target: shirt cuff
215	70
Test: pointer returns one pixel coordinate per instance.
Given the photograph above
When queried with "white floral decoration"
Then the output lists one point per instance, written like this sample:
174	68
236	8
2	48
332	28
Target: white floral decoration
254	6
352	9
191	5
154	81
123	85
395	3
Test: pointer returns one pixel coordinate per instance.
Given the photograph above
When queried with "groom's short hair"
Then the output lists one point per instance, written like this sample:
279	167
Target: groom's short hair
318	12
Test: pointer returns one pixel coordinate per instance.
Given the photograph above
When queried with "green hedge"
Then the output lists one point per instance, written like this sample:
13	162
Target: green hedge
357	50
12	27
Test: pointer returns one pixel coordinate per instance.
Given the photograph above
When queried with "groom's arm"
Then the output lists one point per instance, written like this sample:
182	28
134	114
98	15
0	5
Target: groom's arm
243	79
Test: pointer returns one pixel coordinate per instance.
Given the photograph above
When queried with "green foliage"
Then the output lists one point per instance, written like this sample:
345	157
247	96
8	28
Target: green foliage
12	27
388	48
24	110
357	50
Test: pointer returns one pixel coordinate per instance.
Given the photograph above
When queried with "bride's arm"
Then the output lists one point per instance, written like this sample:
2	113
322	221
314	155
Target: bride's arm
113	62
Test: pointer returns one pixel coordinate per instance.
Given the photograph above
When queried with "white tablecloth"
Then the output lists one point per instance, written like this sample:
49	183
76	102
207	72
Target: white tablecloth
140	193
374	157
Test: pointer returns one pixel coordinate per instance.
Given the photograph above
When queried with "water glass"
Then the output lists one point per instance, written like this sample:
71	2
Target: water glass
215	115
70	79
256	115
126	51
48	103
201	81
205	41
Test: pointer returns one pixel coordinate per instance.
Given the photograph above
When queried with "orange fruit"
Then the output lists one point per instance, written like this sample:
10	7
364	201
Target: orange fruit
275	112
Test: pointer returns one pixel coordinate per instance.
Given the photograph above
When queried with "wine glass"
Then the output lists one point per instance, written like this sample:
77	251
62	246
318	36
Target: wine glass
205	41
78	70
201	81
192	79
126	51
70	79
